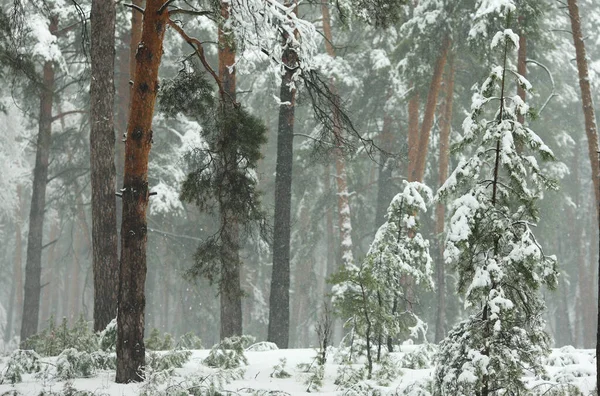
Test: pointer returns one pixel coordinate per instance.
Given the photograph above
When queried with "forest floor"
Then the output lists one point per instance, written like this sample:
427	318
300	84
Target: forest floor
568	369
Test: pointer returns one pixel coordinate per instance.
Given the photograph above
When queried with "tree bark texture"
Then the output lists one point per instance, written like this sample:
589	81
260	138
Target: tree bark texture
344	217
429	115
102	159
445	129
231	290
586	95
132	273
33	265
279	298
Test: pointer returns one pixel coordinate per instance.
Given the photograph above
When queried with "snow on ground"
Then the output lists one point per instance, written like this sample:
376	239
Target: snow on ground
565	365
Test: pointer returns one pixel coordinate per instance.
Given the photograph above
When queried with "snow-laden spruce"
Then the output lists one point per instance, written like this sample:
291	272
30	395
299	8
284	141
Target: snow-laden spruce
500	265
375	298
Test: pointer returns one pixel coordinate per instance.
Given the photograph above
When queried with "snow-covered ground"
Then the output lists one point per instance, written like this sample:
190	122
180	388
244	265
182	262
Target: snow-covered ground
564	366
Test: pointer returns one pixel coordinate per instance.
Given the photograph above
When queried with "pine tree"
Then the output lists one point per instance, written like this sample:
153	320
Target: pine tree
500	264
370	296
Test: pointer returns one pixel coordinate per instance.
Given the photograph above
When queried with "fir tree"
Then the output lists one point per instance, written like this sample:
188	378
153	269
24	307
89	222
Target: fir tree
499	262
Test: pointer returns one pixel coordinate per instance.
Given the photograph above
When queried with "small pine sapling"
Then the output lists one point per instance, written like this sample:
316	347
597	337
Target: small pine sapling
373	297
229	353
500	264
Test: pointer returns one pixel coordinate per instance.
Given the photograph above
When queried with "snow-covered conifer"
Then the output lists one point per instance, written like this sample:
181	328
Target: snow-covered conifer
501	266
373	296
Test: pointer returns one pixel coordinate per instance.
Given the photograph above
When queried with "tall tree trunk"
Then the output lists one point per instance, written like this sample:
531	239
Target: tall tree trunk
231	289
50	269
445	129
132	273
16	287
344	218
33	265
102	159
590	130
385	193
586	95
413	135
429	115
279	298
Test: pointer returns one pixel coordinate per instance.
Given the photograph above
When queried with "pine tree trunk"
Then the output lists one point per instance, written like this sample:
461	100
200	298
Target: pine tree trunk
586	95
16	286
102	159
132	274
385	192
231	290
590	128
429	115
344	217
33	265
279	299
50	269
413	135
445	129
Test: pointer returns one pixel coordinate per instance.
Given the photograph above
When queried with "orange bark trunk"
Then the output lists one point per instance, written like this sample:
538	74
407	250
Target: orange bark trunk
135	194
429	115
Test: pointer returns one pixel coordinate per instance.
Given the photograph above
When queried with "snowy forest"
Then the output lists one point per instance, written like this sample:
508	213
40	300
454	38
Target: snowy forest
282	197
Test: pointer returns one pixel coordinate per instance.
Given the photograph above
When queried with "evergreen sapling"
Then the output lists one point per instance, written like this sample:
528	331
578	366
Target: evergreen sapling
500	265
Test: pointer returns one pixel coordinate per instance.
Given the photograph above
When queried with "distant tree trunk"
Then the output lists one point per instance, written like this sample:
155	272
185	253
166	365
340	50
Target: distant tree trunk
16	286
413	136
445	129
132	275
385	192
279	299
522	65
429	115
50	269
344	217
102	159
231	289
33	265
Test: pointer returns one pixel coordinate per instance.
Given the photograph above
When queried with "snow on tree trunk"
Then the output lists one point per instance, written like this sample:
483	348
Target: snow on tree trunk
135	194
344	217
33	265
102	159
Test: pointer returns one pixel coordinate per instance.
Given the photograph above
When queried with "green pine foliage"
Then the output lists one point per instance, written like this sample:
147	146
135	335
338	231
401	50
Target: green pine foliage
500	264
54	339
229	353
279	370
372	298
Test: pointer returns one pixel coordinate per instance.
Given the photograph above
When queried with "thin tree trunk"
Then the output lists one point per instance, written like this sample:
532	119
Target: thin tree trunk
429	115
413	135
102	156
33	266
522	66
132	274
279	298
385	192
445	129
344	218
231	290
16	288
